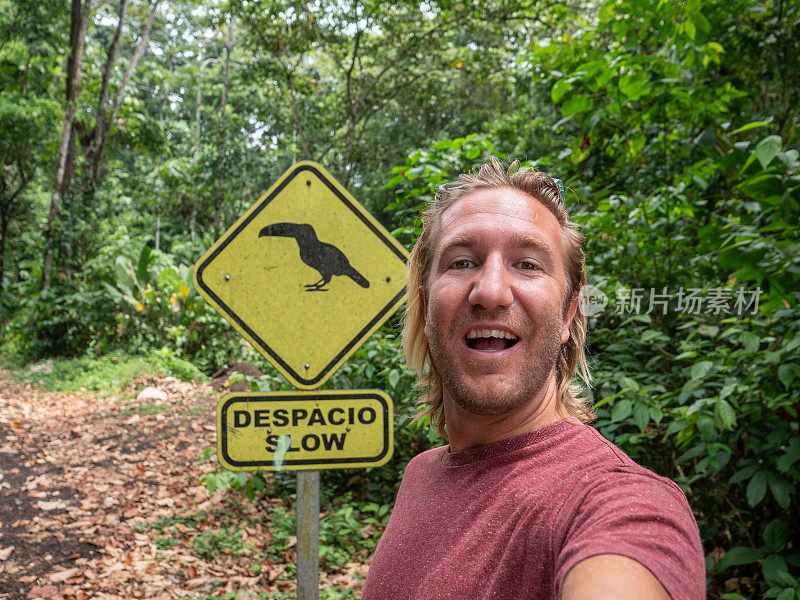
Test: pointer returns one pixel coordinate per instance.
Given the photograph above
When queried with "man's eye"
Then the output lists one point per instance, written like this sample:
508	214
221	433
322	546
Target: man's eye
461	264
527	265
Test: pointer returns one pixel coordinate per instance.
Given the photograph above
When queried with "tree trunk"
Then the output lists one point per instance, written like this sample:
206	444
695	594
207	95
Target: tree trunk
229	44
158	230
102	128
4	210
79	23
5	214
198	101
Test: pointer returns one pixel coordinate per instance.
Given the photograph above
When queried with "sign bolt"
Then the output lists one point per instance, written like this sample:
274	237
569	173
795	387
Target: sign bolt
308	366
269	430
347	428
227	276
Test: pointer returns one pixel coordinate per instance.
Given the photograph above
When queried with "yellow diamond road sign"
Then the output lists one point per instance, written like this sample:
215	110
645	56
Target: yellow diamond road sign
306	275
328	429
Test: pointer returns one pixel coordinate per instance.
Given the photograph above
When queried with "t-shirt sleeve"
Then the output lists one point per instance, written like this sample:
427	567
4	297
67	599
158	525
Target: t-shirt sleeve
641	516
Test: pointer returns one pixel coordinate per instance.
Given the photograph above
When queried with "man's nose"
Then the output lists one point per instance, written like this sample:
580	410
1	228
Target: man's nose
492	286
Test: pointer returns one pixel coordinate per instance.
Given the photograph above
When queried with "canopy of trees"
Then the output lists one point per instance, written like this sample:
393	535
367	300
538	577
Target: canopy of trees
134	132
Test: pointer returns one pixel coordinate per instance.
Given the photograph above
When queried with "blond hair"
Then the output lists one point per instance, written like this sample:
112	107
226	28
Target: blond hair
415	342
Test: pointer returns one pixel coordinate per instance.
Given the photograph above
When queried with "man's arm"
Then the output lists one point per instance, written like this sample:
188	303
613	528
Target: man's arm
611	577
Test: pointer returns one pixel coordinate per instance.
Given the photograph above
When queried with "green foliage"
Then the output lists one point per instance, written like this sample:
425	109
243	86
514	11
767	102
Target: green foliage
346	528
352	529
170	364
168	523
107	374
415	182
128	300
166	542
214	542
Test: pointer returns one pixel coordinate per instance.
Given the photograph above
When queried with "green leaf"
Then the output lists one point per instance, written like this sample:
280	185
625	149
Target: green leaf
786	594
739	556
768	149
394	378
701	369
690	28
749	341
621	410
641	414
786	374
781	490
576	104
656	414
749	126
651	334
473	153
635	144
757	488
561	87
168	275
775	535
773	565
142	275
726	413
791	343
744	473
626	382
789	158
635	86
792	455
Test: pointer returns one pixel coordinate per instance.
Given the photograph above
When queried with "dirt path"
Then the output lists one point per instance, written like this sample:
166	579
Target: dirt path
101	498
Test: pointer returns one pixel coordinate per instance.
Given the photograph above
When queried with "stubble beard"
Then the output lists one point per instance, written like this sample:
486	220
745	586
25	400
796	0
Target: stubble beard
495	394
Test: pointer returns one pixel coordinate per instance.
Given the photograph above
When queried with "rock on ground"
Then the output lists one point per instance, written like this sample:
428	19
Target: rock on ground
151	393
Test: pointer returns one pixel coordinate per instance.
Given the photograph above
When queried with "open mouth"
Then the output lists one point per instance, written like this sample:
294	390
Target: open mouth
490	340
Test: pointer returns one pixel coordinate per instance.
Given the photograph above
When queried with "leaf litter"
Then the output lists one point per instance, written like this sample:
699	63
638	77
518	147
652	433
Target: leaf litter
100	497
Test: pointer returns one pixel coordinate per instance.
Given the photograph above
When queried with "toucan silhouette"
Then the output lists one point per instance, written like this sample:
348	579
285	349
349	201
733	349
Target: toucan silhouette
325	258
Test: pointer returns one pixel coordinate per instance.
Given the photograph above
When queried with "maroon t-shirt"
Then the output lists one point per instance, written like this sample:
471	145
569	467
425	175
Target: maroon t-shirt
509	520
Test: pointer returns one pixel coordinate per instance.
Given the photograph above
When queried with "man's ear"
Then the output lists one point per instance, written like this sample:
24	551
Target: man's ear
569	314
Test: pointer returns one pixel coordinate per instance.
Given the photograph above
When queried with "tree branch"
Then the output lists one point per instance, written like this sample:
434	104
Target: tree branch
137	54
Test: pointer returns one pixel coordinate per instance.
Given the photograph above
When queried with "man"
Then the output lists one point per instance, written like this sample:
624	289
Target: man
527	501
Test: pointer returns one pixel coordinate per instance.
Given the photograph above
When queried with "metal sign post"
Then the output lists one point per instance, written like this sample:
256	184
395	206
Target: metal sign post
307	535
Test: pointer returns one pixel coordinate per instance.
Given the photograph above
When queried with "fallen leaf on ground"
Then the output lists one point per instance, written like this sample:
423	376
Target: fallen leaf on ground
42	591
61	576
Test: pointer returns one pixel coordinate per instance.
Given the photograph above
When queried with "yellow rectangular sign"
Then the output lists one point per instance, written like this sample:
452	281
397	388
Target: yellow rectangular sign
291	431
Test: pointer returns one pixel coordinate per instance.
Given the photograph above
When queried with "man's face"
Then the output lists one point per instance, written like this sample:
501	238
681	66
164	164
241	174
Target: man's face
494	309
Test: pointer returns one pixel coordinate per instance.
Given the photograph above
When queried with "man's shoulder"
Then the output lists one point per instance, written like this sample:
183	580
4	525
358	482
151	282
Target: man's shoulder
580	461
426	460
596	472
